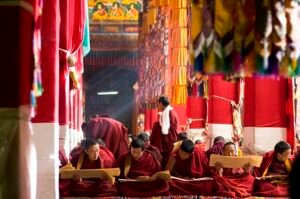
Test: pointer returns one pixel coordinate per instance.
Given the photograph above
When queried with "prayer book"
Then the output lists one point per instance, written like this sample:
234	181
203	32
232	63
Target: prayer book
105	174
272	177
192	179
235	161
162	175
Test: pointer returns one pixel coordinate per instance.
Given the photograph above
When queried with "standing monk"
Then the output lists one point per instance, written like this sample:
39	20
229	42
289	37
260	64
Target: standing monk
91	156
140	164
275	163
164	132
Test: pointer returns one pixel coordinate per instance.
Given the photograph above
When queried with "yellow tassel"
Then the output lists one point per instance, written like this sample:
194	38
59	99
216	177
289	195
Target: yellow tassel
74	77
179	37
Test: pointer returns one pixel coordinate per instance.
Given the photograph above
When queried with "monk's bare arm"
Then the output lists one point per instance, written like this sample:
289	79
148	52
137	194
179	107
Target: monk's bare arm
170	164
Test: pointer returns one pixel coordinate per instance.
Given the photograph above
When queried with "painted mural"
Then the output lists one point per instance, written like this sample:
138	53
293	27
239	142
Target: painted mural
116	10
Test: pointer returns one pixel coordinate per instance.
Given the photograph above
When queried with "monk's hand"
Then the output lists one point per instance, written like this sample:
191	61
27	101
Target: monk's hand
247	167
143	178
77	178
219	168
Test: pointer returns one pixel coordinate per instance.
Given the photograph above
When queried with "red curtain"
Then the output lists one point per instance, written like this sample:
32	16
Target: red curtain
148	126
290	114
71	36
47	104
196	109
221	93
181	112
265	102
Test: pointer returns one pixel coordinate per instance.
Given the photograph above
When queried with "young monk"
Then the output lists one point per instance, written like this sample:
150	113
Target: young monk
275	162
231	182
189	162
91	156
140	164
155	151
217	147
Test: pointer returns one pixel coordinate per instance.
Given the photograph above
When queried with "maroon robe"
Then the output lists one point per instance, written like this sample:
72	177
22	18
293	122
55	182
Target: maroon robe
165	142
271	166
147	165
111	131
155	152
90	187
196	166
233	184
217	148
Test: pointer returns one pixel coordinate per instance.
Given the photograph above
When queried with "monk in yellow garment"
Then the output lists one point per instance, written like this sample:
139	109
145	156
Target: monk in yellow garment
132	12
274	170
100	12
116	13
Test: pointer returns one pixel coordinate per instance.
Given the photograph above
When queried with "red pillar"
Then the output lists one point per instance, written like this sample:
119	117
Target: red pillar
45	123
16	75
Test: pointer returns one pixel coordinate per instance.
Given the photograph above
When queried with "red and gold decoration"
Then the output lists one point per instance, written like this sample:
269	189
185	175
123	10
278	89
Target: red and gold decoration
115	10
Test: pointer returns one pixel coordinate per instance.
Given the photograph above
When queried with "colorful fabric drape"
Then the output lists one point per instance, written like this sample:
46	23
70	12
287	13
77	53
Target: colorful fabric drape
249	37
179	50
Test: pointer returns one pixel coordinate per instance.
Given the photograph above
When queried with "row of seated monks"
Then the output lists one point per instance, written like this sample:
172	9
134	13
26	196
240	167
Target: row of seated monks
187	162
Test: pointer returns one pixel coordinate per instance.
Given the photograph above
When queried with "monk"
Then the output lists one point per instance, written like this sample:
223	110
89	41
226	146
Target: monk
275	162
180	137
231	182
217	147
111	131
155	151
189	162
140	164
164	132
92	156
200	144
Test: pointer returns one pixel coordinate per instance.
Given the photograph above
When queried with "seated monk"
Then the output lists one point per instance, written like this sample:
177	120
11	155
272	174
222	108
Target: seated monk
217	147
188	163
155	151
199	143
180	137
111	131
231	182
275	162
91	156
78	149
140	164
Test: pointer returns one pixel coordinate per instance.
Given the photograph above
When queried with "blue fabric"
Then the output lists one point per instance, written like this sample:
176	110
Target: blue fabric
86	37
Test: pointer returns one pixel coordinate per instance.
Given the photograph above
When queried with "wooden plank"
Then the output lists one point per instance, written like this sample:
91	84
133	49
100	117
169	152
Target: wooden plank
234	161
89	173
